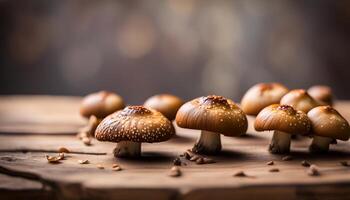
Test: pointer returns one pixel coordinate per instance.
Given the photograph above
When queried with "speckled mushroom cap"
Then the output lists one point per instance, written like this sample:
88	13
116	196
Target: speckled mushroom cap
261	95
300	100
213	113
283	118
321	93
136	124
101	104
167	104
327	122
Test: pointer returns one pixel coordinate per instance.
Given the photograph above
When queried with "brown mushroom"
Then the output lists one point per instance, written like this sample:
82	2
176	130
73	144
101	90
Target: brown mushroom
299	99
213	115
132	126
327	124
262	95
97	106
167	104
321	93
284	120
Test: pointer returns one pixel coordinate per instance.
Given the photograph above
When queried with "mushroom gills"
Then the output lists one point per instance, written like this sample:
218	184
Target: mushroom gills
280	142
320	144
127	149
208	143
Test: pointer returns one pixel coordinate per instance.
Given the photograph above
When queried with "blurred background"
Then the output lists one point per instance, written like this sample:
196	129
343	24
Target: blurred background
185	47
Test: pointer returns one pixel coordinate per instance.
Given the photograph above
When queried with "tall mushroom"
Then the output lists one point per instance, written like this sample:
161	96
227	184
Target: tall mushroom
284	120
167	104
299	99
213	115
262	95
327	124
132	126
97	106
321	93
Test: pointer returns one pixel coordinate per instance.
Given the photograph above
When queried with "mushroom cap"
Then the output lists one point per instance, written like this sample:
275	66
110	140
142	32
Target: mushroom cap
167	104
261	95
300	100
321	93
213	113
327	122
283	118
136	124
101	104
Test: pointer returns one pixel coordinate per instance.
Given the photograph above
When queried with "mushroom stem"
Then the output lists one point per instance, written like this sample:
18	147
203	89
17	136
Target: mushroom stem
127	149
208	143
280	142
320	144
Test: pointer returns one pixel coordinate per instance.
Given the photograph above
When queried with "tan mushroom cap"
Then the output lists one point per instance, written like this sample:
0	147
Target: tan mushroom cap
213	113
300	100
136	124
283	118
101	104
167	104
261	95
321	93
327	122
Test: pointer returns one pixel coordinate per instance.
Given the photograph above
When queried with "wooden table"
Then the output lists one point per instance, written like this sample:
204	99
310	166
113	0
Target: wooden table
33	126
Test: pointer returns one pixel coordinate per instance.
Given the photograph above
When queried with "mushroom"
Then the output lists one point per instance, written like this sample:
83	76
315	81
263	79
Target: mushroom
327	124
97	106
321	93
213	115
167	104
262	95
132	126
284	120
299	99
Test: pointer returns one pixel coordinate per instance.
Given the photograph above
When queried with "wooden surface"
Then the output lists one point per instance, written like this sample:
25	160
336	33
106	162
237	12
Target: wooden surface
26	173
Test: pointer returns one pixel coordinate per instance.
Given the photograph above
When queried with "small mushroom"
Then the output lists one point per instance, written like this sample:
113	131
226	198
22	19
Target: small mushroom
213	115
284	120
321	93
262	95
132	126
327	124
166	104
300	100
97	106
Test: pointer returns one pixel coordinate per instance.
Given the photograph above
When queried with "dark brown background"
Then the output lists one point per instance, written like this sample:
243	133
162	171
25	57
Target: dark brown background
187	47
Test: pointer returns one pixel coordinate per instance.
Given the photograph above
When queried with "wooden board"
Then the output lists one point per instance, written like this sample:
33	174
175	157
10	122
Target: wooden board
39	114
23	156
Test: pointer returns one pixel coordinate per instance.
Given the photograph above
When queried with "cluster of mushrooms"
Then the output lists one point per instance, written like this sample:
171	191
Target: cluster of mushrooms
274	106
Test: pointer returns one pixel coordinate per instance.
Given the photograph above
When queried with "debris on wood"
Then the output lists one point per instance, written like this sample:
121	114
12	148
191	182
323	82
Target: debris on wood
83	161
174	172
177	161
117	168
313	171
194	158
305	163
199	161
63	150
100	167
240	174
274	170
208	160
344	163
86	141
287	158
55	159
270	163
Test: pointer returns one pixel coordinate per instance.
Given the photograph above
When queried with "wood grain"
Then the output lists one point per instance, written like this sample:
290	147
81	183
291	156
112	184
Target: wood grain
147	177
